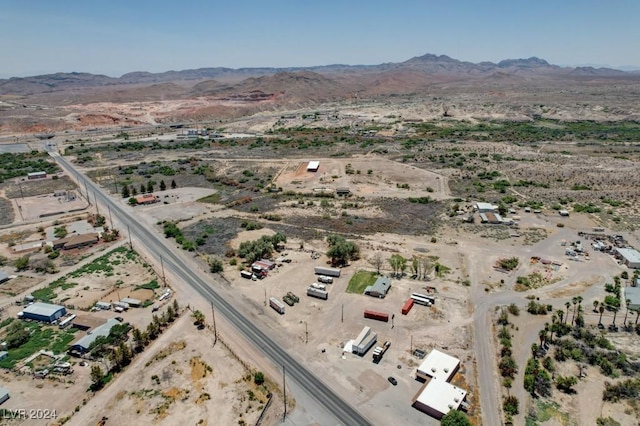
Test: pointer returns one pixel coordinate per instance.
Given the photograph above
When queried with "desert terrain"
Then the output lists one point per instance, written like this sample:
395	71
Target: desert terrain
405	156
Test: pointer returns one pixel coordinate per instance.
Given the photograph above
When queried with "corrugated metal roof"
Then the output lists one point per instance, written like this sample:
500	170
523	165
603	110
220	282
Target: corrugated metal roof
103	330
44	309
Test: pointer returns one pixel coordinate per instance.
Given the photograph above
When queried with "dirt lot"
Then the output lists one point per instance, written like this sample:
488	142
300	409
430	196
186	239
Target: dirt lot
424	327
182	378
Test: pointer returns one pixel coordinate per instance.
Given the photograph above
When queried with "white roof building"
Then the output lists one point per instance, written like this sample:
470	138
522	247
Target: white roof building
630	257
438	397
439	366
313	166
485	207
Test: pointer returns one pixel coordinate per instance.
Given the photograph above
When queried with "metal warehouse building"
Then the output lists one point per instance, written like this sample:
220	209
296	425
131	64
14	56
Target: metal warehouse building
629	256
45	312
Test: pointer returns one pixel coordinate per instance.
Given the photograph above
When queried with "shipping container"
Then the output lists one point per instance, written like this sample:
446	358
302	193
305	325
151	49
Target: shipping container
407	306
380	316
316	292
323	270
277	305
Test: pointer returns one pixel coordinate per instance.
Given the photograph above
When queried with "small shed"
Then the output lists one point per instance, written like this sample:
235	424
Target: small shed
313	166
36	175
134	303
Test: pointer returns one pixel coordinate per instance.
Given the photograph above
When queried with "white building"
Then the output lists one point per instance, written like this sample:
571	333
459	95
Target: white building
485	207
438	365
313	166
438	397
629	256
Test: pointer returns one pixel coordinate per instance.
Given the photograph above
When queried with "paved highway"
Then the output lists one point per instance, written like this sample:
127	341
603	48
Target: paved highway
319	391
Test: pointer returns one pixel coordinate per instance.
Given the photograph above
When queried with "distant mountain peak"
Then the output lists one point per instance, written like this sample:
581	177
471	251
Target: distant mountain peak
532	62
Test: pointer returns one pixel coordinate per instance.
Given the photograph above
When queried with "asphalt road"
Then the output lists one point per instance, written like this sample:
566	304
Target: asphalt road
319	391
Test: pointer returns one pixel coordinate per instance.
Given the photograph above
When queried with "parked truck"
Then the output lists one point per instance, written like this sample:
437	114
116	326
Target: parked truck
380	316
293	297
318	286
379	351
277	305
316	292
331	272
325	279
289	301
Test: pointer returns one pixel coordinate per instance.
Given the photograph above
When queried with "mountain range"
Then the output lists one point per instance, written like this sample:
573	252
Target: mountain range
222	81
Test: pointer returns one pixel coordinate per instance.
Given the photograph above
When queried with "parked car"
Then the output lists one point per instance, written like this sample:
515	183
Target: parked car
392	380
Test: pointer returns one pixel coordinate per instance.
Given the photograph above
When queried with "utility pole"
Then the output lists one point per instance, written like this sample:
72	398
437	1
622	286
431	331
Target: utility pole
215	330
20	186
164	279
110	218
284	391
342	317
392	317
115	182
129	232
306	333
411	348
87	191
265	297
95	197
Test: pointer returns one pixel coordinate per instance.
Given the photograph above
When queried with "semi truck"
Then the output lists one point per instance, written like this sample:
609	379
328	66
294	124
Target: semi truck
379	351
316	292
277	305
380	316
331	272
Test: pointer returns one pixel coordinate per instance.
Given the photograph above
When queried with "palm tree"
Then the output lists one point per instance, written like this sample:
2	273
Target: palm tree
575	304
534	350
601	309
542	334
595	305
626	302
560	313
566	318
615	312
637	315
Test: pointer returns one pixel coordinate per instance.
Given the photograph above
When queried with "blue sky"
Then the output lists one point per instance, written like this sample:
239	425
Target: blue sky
114	37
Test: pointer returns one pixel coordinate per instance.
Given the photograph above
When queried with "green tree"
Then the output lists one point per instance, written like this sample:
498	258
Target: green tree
215	264
198	317
173	184
134	191
566	384
125	191
163	185
150	187
258	378
143	188
342	251
21	263
97	377
510	404
455	418
17	335
601	310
